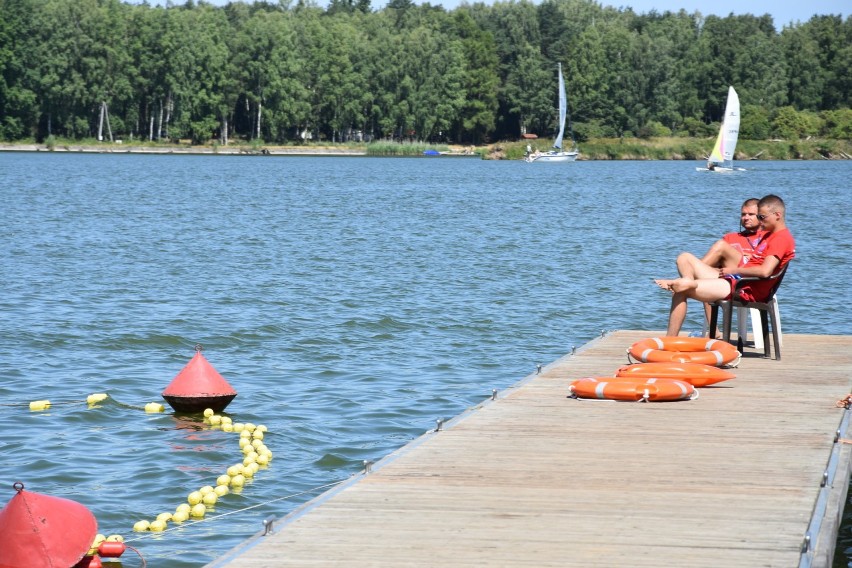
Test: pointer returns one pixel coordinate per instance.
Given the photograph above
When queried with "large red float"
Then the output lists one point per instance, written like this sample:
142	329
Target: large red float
44	531
199	386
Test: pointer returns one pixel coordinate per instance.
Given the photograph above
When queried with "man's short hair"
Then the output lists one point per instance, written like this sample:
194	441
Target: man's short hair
773	202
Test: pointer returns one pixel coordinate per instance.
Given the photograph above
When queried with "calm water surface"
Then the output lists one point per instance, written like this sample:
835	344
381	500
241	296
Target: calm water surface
350	301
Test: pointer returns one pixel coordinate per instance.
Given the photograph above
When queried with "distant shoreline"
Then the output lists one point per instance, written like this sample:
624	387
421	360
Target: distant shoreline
201	150
592	150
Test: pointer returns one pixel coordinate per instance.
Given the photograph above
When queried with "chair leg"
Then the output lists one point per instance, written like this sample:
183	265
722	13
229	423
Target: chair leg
728	315
764	325
775	311
776	332
714	313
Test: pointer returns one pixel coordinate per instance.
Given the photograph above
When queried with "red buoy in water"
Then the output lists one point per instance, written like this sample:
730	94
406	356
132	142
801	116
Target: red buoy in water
43	531
199	386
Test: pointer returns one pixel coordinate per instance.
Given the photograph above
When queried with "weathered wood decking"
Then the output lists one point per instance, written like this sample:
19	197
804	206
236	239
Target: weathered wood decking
537	479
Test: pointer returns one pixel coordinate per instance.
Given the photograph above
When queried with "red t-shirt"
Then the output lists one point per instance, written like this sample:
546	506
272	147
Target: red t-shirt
779	244
745	244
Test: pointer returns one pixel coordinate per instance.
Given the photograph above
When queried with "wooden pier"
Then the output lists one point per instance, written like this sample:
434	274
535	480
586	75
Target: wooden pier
754	472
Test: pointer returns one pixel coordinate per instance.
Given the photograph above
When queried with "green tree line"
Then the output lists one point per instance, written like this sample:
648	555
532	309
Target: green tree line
277	72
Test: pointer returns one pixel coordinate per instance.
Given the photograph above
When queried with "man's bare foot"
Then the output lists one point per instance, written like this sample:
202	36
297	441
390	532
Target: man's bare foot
664	284
682	284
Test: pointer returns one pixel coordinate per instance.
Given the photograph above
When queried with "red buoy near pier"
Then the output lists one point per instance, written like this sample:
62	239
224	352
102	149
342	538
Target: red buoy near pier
199	386
40	530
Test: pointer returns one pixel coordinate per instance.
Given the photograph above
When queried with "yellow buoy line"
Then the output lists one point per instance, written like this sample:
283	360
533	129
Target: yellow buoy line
236	511
91	400
256	455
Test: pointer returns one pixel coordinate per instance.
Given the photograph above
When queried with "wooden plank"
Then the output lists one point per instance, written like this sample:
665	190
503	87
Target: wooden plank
538	479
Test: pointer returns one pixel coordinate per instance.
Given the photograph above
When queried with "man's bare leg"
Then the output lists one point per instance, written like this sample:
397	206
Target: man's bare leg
721	254
704	290
690	266
677	315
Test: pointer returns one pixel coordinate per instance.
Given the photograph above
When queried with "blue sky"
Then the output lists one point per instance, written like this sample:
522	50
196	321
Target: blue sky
782	11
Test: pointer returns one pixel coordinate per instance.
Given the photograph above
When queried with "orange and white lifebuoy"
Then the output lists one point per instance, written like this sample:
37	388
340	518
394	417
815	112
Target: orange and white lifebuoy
696	374
634	389
684	350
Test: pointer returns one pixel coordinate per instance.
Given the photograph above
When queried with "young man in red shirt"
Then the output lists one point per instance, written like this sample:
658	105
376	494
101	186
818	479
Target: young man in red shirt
735	249
705	283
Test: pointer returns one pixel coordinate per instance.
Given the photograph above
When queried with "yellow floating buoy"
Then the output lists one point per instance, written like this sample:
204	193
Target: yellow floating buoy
99	538
115	538
96	398
198	510
238	480
165	517
141	526
157	526
208	412
221	490
194	498
210	499
180	516
154	407
223	480
40	405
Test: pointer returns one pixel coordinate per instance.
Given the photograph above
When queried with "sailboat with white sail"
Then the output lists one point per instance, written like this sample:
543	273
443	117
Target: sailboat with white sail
558	154
722	157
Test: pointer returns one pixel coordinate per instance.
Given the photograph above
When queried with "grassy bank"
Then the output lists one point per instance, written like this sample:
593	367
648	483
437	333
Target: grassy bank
686	149
594	149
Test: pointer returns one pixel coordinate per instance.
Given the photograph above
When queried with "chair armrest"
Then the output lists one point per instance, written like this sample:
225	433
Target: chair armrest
743	280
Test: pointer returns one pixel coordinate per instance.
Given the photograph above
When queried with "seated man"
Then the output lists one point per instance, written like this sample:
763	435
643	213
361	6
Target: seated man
706	283
735	249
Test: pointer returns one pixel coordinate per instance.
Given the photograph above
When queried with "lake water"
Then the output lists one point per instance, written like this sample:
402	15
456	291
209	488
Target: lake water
350	301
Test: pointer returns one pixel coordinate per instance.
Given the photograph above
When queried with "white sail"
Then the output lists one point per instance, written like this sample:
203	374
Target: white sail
726	142
563	110
557	155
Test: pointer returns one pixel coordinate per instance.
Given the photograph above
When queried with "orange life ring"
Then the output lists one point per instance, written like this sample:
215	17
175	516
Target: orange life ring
696	374
684	350
635	389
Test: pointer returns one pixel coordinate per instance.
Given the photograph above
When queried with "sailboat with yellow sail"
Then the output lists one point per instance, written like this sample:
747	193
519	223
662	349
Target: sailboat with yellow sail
722	157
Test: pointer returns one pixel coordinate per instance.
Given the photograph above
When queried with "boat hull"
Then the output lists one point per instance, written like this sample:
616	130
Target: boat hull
720	170
554	157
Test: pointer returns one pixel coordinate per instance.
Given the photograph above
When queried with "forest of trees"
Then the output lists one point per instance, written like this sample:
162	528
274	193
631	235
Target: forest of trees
278	72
